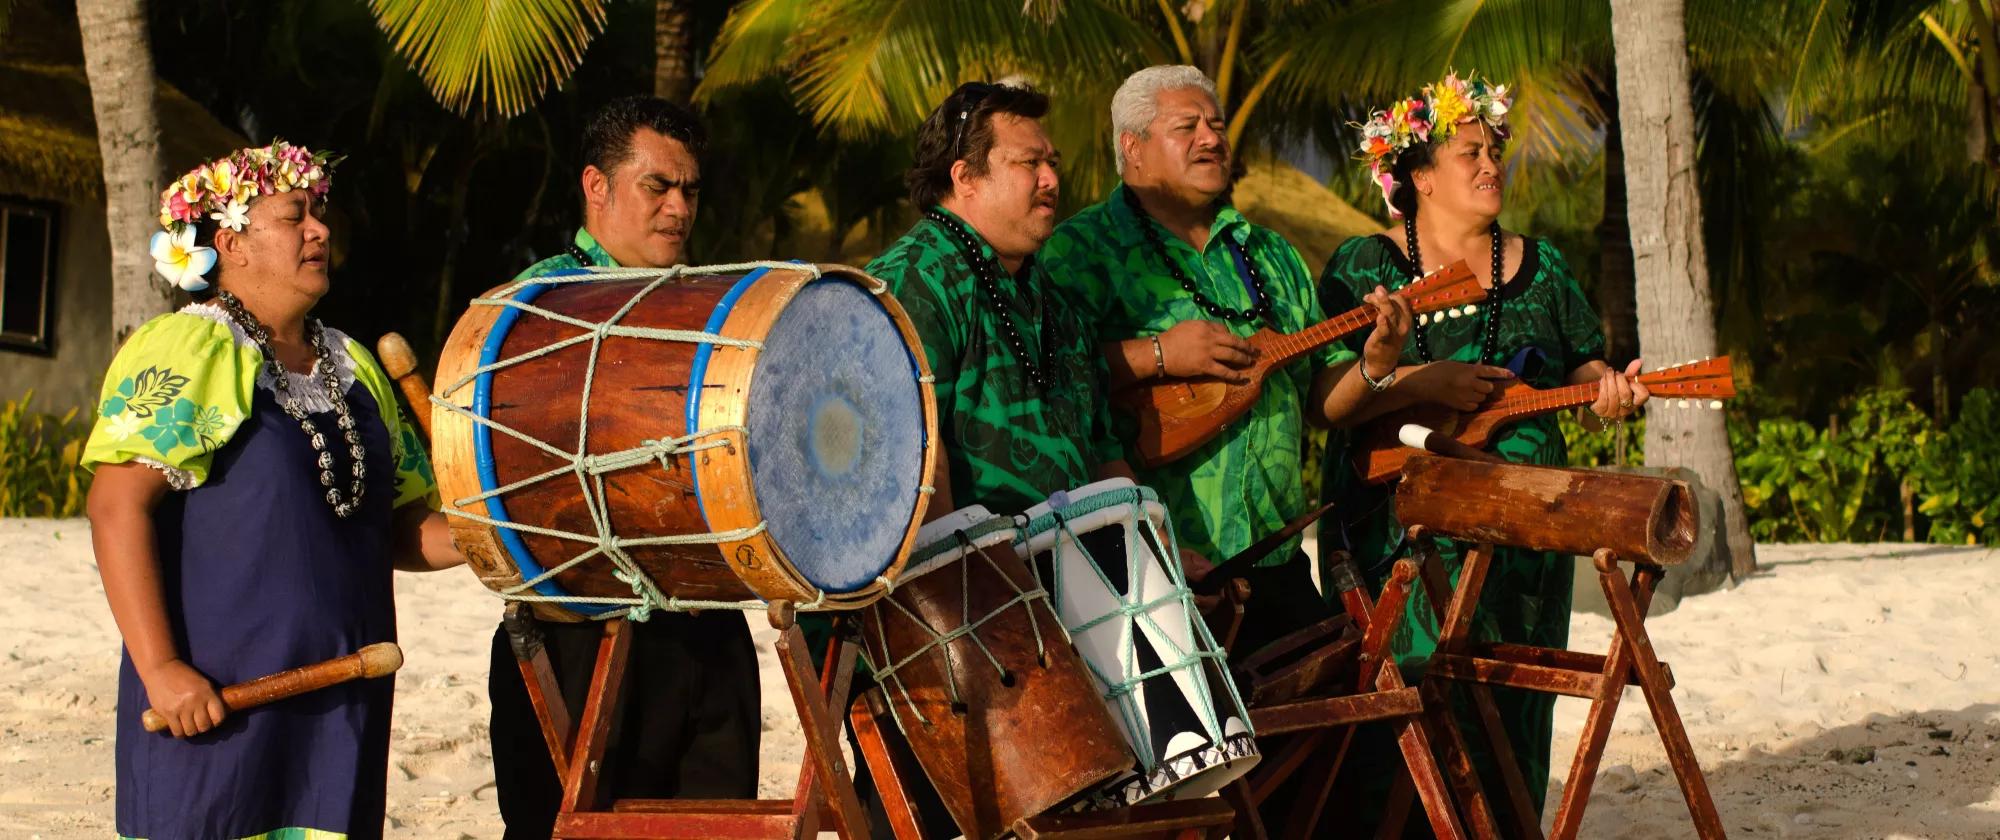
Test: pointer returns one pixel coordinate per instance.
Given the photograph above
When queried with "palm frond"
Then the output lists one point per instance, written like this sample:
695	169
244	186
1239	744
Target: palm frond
493	55
756	42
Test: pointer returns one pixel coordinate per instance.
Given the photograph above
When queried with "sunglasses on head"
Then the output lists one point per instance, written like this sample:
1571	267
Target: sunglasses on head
969	95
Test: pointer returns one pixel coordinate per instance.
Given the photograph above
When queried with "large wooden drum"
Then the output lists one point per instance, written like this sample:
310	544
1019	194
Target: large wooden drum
618	440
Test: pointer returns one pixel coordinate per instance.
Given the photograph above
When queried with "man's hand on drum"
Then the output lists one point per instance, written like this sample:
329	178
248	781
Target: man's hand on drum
1206	348
184	697
1196	567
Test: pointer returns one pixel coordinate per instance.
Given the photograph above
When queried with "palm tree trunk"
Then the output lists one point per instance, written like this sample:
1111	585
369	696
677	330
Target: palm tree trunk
673	51
118	59
1983	91
1676	312
1616	307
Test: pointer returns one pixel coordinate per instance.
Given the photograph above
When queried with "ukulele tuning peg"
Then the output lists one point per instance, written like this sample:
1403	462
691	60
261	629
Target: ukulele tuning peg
1452	312
1471	308
1423	319
1715	405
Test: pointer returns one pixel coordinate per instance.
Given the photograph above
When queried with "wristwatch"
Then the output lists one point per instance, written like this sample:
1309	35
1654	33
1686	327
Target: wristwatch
1377	385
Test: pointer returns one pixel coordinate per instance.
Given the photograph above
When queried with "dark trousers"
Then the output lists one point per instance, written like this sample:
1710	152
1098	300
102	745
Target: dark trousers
1282	600
688	727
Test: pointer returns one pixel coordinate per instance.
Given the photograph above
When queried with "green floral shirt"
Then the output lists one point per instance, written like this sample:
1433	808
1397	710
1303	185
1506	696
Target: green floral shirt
567	261
1008	444
1246	483
182	385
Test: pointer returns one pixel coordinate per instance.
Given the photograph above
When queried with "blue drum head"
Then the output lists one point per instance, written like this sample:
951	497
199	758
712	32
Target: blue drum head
836	431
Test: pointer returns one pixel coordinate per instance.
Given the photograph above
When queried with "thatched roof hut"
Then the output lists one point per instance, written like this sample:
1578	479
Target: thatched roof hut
48	132
55	336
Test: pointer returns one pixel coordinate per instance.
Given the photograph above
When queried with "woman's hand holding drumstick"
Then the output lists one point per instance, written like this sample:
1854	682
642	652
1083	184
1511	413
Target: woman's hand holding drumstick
373	661
401	364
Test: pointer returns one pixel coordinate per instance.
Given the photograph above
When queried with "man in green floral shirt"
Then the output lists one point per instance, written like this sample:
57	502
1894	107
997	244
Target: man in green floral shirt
1172	278
1021	409
1020	384
699	738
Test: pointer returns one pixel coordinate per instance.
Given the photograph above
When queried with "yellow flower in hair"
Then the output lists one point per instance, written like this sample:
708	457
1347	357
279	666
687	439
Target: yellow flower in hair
190	185
220	179
1450	106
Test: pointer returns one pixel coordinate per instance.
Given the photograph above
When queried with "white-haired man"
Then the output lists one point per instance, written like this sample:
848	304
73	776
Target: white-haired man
1171	279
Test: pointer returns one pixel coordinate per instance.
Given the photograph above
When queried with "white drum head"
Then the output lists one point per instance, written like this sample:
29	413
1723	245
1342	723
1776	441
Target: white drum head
938	544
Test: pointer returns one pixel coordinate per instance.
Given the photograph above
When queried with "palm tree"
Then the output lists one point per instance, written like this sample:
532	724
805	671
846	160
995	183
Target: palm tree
673	51
1676	312
118	60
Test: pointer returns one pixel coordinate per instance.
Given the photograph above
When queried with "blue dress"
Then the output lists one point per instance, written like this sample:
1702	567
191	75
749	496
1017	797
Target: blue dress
260	576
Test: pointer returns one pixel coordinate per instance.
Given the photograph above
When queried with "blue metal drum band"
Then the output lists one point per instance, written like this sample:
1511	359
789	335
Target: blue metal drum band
482	444
698	371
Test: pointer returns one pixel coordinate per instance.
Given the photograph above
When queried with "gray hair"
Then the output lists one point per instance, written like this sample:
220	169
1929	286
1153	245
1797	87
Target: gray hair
1137	102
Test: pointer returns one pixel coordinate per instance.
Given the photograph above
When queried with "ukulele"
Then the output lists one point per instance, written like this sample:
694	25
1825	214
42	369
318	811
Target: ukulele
1178	414
1379	455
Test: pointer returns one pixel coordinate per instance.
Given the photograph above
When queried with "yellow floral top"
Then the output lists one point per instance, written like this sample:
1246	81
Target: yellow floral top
183	384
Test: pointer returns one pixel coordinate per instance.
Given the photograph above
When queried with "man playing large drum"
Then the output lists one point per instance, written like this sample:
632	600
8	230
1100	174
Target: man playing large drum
693	731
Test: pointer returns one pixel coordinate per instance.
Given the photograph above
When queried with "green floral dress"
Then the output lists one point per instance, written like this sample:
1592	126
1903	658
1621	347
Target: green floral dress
1547	330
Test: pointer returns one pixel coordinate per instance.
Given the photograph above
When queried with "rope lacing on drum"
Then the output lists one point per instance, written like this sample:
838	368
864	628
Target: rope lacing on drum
1145	542
589	469
887	674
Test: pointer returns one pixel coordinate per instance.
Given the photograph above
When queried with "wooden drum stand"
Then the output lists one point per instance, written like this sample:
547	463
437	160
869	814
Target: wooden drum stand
1648	522
825	792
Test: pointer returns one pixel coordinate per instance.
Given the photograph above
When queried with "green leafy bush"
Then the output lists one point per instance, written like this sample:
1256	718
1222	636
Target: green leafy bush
1847	480
1959	483
39	475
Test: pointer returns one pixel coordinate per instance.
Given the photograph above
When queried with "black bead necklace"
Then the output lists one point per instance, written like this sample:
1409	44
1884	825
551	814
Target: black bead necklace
1491	339
986	273
343	505
1260	308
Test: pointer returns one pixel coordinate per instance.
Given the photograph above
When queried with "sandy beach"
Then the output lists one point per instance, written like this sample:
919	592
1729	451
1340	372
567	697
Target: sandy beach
1844	692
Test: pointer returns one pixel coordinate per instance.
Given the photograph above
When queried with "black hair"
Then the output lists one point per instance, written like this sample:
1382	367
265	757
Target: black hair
607	138
961	128
1404	196
1421	156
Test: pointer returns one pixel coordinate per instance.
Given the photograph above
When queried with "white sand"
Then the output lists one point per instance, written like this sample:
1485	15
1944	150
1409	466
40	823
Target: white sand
1834	648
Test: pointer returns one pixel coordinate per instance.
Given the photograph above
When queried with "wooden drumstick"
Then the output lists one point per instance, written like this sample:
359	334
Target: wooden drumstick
1422	437
375	660
1232	568
401	364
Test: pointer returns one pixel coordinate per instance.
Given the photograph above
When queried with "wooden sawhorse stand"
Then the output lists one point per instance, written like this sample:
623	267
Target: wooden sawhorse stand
1610	517
1188	819
825	792
1330	678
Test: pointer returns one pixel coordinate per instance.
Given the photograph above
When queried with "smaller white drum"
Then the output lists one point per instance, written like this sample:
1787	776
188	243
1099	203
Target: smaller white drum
1107	556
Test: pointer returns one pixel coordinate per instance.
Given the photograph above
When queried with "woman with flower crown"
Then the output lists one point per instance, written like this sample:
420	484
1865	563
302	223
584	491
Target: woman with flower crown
1437	159
254	487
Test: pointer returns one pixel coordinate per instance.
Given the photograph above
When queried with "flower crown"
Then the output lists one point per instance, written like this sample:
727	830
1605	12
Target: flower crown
1431	117
221	190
